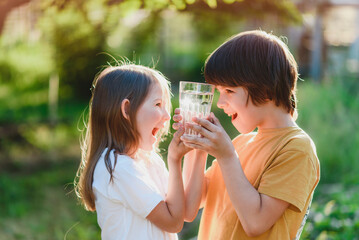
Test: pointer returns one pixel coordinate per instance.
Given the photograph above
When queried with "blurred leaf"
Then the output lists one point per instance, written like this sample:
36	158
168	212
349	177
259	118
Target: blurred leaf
212	3
329	207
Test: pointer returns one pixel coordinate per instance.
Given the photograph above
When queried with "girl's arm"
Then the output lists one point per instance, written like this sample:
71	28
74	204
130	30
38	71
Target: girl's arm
257	212
194	166
168	215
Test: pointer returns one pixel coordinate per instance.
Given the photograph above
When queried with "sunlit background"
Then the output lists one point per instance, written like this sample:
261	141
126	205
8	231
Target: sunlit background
50	51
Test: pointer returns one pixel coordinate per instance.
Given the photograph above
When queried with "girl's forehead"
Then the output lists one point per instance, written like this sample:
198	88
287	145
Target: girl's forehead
156	90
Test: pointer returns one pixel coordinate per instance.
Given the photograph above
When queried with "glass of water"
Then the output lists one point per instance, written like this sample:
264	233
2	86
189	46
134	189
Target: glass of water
195	101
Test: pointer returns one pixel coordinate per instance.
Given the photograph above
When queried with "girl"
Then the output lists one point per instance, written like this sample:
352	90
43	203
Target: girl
121	177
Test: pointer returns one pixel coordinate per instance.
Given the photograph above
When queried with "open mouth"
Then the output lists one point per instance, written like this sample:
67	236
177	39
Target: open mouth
155	131
234	116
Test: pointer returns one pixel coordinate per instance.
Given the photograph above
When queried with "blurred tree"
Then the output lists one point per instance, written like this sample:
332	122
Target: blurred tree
77	44
78	30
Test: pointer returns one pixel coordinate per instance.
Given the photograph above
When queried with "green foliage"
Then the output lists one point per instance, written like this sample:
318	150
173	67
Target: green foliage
329	114
24	75
27	137
77	44
335	215
42	205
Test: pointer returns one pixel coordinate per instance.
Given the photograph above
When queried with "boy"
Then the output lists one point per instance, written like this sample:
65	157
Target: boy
261	184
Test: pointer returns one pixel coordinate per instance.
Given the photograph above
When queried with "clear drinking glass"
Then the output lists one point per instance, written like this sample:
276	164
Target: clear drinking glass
195	101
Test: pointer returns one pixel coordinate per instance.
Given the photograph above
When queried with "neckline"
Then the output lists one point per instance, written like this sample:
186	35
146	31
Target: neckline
143	154
272	130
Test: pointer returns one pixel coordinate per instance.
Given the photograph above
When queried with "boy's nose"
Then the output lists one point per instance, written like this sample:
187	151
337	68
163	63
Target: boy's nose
220	102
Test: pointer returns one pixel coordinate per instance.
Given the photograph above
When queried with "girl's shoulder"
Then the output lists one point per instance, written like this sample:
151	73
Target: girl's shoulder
115	157
155	159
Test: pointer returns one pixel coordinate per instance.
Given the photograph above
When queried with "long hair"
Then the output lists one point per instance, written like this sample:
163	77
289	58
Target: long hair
107	127
259	62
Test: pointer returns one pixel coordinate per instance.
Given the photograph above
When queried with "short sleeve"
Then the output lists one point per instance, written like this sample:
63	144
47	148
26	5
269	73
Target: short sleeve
132	187
291	177
210	171
162	166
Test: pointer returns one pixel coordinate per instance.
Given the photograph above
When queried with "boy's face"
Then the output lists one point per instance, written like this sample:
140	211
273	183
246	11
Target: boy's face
236	103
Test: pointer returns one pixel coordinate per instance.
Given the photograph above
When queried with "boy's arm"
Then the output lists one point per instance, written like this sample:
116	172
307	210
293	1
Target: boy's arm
256	212
168	215
194	166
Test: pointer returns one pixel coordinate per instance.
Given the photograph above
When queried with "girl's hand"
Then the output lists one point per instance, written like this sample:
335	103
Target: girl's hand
214	139
177	149
177	117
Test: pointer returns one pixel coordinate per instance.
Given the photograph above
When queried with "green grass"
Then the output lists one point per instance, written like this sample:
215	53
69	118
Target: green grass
41	204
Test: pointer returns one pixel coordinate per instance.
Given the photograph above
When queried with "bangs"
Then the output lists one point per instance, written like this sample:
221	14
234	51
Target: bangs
222	67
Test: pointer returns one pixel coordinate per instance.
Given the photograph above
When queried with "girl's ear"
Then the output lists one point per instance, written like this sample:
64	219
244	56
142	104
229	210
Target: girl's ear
124	108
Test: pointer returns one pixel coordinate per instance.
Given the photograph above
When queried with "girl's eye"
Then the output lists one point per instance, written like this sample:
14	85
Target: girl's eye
158	104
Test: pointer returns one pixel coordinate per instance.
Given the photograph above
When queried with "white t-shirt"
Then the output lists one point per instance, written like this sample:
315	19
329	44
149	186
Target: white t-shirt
123	204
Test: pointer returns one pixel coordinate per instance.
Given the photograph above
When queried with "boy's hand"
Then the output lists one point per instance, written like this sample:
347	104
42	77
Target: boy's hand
214	139
177	149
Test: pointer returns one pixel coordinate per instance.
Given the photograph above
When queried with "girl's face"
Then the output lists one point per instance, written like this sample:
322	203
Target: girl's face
245	116
151	117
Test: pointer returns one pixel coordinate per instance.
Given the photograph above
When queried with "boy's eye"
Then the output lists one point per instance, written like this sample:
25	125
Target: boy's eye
158	104
229	90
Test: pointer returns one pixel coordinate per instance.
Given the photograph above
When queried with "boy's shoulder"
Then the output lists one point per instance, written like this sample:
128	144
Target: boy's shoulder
300	140
291	138
241	138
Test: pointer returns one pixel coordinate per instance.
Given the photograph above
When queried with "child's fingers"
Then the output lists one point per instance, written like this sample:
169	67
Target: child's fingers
177	118
177	125
199	129
193	145
178	134
204	123
195	142
177	111
214	119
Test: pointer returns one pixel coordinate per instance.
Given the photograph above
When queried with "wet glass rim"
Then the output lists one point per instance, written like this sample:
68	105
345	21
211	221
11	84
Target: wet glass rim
196	83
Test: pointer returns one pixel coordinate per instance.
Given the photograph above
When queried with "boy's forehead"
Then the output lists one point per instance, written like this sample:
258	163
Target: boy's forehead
219	87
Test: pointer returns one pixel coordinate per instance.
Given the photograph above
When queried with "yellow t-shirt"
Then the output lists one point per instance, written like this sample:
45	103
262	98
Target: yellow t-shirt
281	163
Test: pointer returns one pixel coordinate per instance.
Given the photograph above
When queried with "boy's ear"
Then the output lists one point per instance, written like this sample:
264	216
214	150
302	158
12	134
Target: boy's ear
124	108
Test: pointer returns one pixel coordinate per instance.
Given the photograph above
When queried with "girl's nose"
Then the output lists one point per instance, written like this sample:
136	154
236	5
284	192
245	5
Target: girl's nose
166	115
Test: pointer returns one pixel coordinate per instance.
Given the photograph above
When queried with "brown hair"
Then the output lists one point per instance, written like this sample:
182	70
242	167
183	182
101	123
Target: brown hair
107	127
259	62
